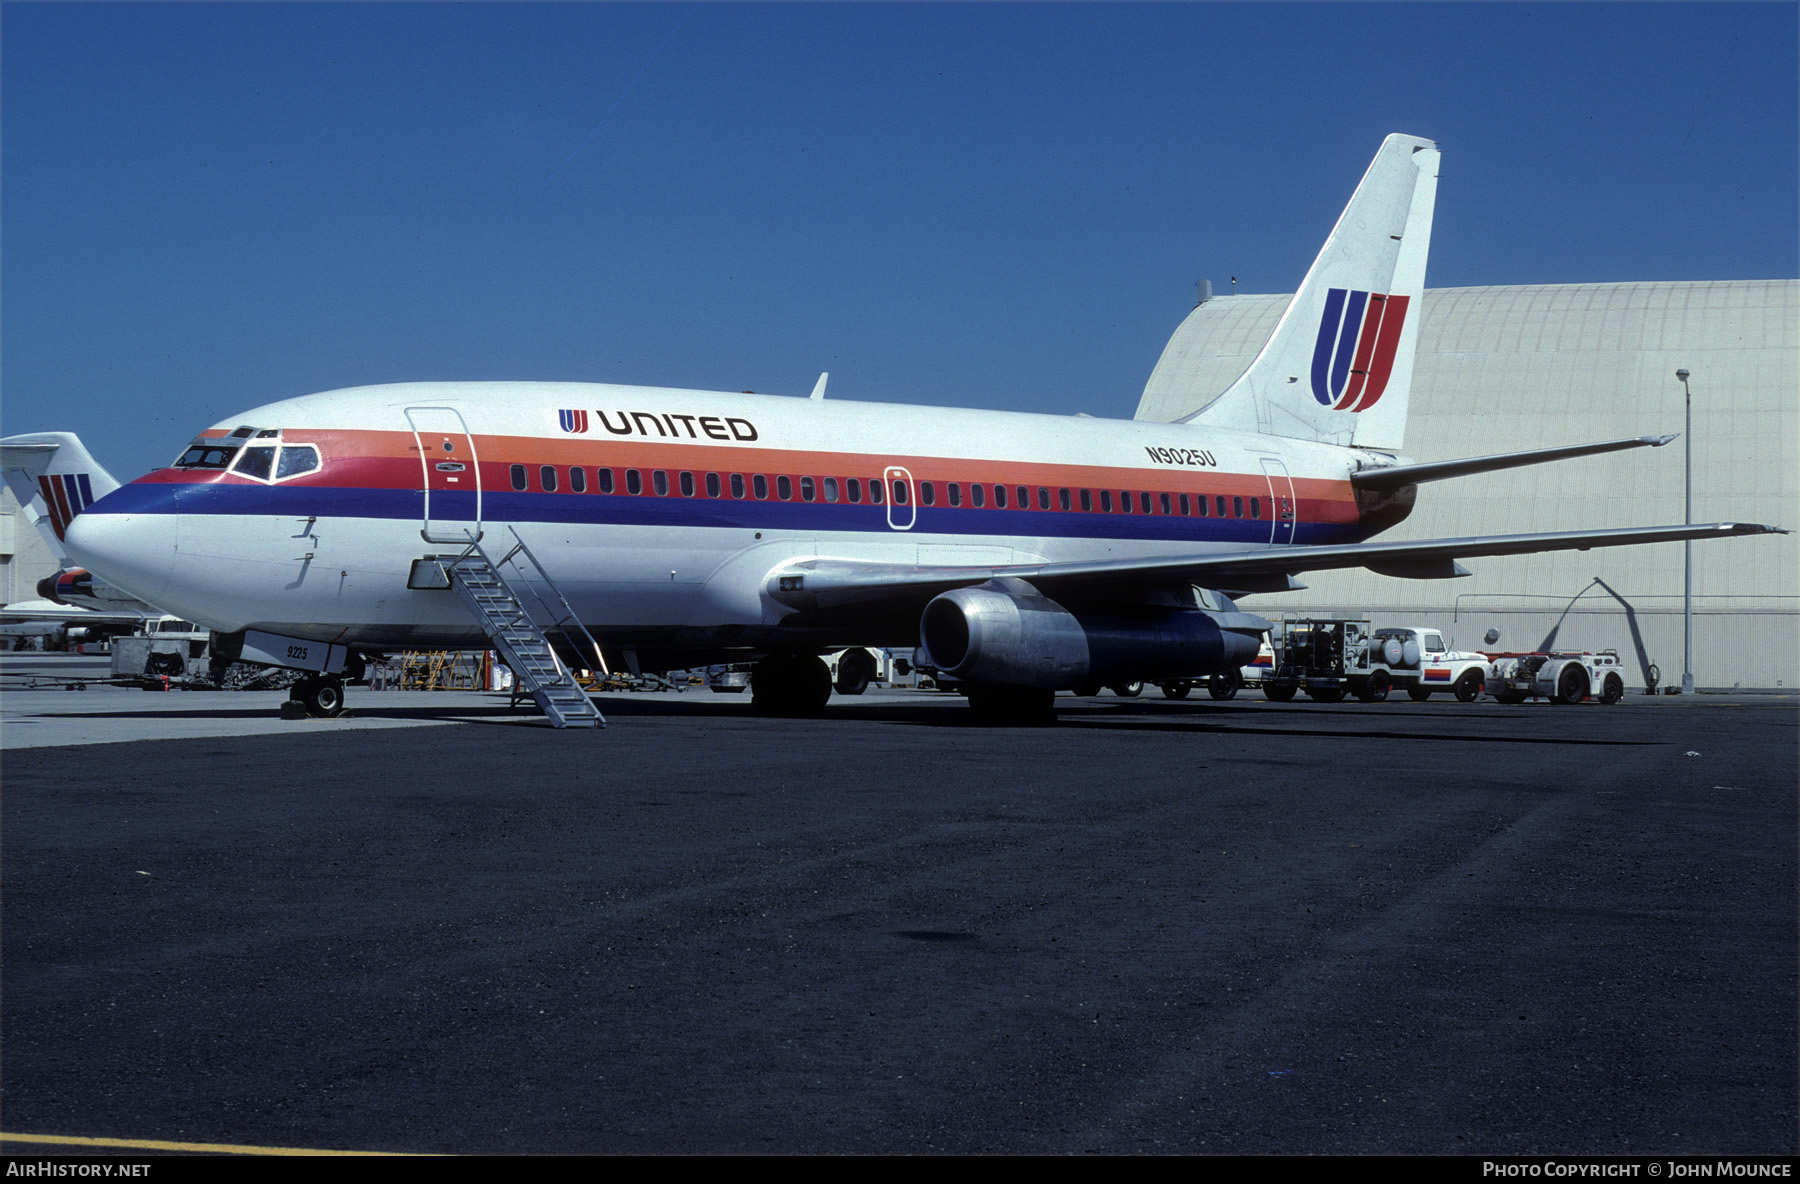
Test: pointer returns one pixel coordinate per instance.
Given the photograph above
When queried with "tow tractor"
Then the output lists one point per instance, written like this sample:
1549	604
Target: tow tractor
1328	658
1558	677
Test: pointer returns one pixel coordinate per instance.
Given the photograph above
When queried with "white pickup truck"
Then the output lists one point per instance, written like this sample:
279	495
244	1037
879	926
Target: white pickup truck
1418	659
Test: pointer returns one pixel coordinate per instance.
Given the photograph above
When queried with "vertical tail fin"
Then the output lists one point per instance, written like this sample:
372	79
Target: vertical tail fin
1339	365
55	478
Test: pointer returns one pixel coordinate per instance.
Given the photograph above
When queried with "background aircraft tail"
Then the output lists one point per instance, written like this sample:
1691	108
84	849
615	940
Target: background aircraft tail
55	478
1339	365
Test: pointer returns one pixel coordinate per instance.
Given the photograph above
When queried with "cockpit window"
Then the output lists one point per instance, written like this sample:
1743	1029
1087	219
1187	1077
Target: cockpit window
295	460
260	457
256	462
204	454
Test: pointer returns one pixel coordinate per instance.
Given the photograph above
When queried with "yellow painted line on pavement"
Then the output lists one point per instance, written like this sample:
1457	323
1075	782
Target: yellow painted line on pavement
162	1145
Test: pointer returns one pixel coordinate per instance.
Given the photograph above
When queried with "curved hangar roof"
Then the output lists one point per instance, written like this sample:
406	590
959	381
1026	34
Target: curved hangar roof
1508	368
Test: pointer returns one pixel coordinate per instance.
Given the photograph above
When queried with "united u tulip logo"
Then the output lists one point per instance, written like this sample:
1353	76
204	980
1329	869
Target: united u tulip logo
1358	336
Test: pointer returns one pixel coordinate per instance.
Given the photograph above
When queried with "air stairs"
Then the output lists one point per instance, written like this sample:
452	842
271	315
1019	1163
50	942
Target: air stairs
521	641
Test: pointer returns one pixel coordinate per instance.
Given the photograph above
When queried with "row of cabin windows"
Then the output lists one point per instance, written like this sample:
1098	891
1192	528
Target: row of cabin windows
851	489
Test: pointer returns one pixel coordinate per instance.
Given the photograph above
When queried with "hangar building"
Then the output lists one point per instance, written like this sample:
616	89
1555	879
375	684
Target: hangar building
1502	369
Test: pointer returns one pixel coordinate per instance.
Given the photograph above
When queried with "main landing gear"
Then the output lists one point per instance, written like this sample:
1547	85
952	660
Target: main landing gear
790	684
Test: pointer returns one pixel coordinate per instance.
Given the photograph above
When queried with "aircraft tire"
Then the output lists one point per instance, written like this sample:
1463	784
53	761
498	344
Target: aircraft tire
856	670
1280	692
1127	690
1612	690
1225	685
1468	687
1418	694
1571	684
1010	706
323	698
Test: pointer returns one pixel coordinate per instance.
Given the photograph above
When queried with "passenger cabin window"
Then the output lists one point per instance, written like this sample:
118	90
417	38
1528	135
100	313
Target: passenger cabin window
1256	507
955	492
784	488
1144	502
1220	503
737	485
1237	507
1163	501
1087	501
547	477
899	493
518	477
1106	501
831	489
875	493
1000	497
1043	498
927	493
712	485
761	484
606	480
660	480
853	490
978	494
634	481
577	479
687	484
807	491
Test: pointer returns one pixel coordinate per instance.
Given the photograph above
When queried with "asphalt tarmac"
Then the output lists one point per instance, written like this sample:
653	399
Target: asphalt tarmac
1193	927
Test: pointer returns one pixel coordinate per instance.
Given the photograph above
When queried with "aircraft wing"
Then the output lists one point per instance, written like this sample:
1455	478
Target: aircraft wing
66	614
829	583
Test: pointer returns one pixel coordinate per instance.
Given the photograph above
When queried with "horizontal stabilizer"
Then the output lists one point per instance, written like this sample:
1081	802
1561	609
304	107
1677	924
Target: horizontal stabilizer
1397	476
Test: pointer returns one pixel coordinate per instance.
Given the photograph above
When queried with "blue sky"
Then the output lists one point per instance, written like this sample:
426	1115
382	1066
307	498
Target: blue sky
204	207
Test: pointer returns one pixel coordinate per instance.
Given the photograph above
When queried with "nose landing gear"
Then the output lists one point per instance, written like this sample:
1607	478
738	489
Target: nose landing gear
320	696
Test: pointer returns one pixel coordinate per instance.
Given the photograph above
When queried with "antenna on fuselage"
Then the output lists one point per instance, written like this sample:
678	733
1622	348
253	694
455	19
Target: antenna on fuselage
819	390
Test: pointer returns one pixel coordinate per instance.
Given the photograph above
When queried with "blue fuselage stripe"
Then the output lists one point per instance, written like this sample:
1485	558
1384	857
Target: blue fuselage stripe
675	512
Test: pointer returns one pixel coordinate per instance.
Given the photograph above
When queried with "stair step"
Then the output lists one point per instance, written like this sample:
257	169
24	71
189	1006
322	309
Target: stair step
523	643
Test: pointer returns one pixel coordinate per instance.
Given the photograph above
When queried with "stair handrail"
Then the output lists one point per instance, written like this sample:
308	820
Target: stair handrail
569	614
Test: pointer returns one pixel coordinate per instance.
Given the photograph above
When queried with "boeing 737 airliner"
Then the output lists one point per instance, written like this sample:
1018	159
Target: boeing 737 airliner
1025	553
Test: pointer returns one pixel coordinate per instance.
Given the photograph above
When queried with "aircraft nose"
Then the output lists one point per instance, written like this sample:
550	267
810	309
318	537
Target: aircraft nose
134	552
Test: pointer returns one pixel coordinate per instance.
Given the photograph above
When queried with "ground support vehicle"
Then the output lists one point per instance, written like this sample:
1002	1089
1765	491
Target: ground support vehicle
1329	658
1417	659
1558	677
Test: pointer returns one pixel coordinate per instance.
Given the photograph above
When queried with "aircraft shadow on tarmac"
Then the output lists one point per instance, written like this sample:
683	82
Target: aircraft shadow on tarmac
1123	716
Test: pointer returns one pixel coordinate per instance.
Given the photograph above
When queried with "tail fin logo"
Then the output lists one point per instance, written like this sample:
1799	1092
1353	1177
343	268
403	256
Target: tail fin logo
573	421
1358	336
65	495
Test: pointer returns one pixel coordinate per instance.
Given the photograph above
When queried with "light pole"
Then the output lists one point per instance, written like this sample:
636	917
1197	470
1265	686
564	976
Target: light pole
1687	575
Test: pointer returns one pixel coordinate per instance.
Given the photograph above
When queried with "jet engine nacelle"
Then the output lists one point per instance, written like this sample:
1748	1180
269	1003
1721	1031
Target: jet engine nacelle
1005	631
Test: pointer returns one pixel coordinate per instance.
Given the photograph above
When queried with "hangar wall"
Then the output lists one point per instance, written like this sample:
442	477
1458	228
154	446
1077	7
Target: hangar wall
24	557
1507	368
